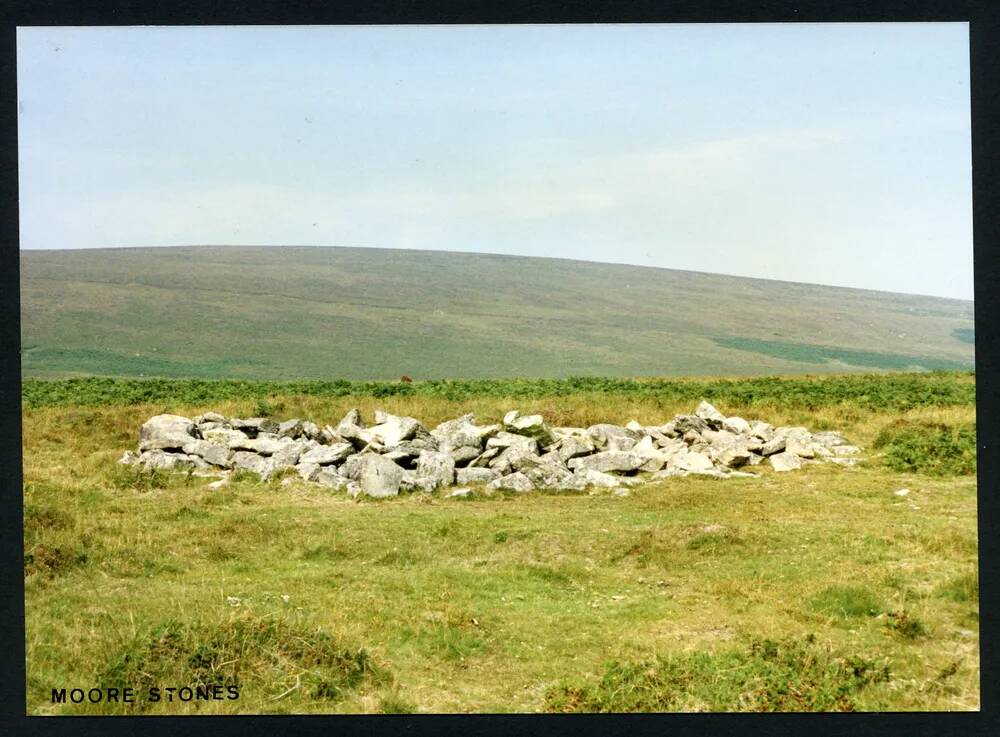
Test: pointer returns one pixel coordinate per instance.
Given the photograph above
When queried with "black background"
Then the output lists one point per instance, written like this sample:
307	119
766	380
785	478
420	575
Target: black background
984	22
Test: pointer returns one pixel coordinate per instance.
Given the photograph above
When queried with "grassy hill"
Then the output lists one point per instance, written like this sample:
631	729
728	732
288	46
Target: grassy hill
358	313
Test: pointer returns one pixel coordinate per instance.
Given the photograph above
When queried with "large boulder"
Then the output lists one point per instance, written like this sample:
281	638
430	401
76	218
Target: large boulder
608	460
785	461
290	428
463	431
166	432
437	467
164	461
612	437
391	430
709	414
532	426
217	455
378	476
325	455
507	440
465	476
691	462
574	446
265	444
512	482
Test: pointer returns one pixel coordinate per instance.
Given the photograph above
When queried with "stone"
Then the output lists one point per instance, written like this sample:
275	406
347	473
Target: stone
166	432
290	452
247	461
691	462
829	439
329	477
609	460
351	419
686	423
379	477
355	435
762	430
732	456
128	458
548	474
785	461
254	425
512	482
459	493
308	471
655	459
207	417
605	435
464	454
311	430
265	444
506	440
463	431
634	427
391	430
226	437
290	428
212	453
162	460
799	446
775	445
532	426
475	475
437	467
736	425
574	446
325	455
709	414
845	450
485	457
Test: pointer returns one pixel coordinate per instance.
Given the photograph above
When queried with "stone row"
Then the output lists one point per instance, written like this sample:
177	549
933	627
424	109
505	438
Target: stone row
522	453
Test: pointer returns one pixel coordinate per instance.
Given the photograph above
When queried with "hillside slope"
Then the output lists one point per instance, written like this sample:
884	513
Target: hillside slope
357	313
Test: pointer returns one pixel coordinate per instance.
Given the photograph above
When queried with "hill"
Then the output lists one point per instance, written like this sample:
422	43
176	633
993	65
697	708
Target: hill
360	313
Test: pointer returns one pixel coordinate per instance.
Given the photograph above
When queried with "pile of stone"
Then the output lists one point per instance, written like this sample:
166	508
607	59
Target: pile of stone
520	454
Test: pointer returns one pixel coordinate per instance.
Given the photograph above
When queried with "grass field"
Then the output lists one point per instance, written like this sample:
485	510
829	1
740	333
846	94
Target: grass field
361	313
820	589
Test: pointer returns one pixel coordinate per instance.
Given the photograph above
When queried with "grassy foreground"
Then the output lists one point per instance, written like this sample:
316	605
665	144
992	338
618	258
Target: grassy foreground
815	590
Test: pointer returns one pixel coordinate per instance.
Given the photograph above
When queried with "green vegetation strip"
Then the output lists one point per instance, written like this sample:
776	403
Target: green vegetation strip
876	391
811	353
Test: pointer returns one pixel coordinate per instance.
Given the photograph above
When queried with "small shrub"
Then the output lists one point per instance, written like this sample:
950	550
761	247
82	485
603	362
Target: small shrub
906	625
846	601
789	675
52	561
931	448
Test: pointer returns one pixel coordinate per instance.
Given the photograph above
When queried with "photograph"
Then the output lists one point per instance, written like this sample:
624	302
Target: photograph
497	369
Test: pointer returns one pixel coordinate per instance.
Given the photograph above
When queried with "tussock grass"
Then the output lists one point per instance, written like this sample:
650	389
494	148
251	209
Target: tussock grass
490	603
256	654
789	675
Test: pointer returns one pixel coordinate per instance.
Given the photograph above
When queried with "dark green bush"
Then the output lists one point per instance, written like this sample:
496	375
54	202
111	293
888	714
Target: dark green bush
930	448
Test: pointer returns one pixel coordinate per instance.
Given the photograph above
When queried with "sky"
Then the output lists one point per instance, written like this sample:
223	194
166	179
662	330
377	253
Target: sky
826	153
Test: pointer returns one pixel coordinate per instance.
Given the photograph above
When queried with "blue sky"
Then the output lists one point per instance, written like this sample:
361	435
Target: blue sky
829	153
